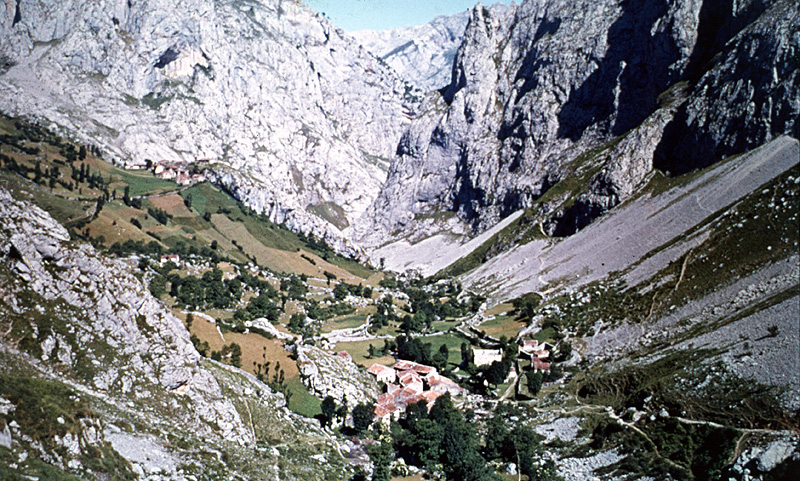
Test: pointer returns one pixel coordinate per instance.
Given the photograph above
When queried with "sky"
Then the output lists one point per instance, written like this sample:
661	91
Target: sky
354	15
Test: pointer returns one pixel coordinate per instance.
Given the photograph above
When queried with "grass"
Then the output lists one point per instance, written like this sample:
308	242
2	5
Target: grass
453	343
63	210
359	351
141	182
344	322
508	326
301	401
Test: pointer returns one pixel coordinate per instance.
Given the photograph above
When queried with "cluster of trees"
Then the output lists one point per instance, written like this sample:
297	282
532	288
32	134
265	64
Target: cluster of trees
16	142
385	314
85	175
278	380
446	443
321	312
260	306
127	200
317	245
426	305
128	247
413	349
230	354
159	215
296	287
343	289
208	291
519	445
441	440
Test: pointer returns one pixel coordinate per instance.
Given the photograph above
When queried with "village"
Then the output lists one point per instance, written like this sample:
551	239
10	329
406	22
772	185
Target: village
182	173
408	382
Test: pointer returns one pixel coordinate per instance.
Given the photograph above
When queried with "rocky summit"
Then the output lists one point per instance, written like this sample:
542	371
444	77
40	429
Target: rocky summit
554	240
598	96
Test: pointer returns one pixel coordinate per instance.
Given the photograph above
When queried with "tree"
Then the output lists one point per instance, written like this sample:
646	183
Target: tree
329	276
328	409
496	373
467	356
340	291
535	380
296	322
439	360
381	455
496	434
363	415
564	352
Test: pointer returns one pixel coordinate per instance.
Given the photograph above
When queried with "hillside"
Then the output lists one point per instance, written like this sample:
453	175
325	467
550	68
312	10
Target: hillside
292	113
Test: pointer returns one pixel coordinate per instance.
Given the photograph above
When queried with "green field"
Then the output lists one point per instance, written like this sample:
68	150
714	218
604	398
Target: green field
141	182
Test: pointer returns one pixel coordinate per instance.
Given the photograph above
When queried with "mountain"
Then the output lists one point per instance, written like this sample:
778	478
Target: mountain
593	230
289	113
423	54
567	110
100	380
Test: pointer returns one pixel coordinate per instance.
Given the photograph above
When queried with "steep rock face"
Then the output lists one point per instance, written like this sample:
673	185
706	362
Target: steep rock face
330	375
423	54
99	323
593	93
751	94
290	112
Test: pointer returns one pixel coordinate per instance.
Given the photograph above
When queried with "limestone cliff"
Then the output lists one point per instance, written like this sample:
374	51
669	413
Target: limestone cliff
291	113
588	97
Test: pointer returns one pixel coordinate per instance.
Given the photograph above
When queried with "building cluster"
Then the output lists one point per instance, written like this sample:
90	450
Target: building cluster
178	172
175	258
408	383
538	353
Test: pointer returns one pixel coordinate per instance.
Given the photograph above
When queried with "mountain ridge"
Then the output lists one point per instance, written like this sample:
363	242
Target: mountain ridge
498	138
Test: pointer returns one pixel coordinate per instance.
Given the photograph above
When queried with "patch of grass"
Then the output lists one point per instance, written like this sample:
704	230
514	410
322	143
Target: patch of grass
41	406
508	326
331	212
63	210
345	322
301	401
359	351
141	182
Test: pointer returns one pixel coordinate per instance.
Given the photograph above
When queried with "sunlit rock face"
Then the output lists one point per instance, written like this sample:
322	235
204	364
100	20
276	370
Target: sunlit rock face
600	93
290	112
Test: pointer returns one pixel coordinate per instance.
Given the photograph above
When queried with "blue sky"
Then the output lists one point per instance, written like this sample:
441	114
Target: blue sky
382	14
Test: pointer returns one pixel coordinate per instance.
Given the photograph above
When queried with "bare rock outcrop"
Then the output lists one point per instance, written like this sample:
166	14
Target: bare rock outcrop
100	323
595	95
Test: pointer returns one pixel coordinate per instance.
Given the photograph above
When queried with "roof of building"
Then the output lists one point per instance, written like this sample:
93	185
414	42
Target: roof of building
413	366
376	368
540	365
431	396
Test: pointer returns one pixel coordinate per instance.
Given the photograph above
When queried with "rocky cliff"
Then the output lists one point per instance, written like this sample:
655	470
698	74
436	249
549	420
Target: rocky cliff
296	119
99	379
423	54
570	106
